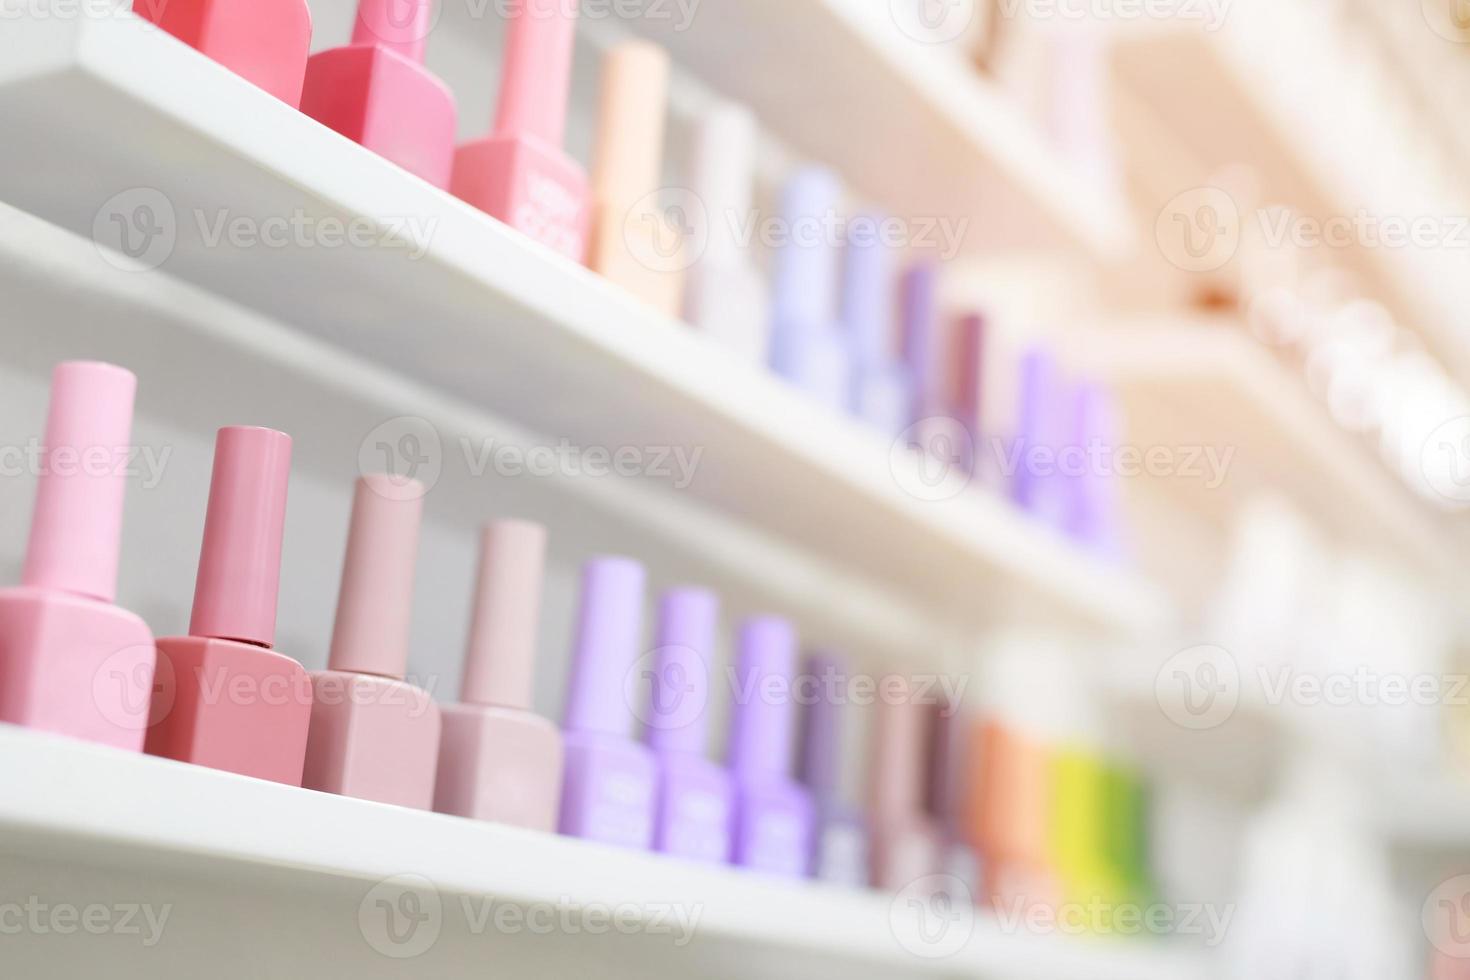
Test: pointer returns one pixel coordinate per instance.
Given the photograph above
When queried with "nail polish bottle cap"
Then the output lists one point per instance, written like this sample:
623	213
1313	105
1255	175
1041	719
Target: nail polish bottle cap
868	307
678	703
606	647
764	711
76	530
922	342
804	278
723	176
1036	422
401	26
820	759
375	606
537	72
628	154
500	665
896	784
240	561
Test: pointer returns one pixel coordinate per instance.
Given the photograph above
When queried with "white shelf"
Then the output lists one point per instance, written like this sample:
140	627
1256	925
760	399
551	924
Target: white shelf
834	77
98	107
76	816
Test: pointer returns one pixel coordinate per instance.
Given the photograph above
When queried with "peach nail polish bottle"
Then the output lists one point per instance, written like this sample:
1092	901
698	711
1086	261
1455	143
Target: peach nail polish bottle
907	845
498	760
373	736
263	41
377	92
633	241
520	174
224	698
71	662
1016	820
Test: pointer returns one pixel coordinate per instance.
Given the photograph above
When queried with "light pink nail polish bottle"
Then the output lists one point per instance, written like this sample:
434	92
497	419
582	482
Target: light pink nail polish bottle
372	735
71	662
377	92
907	844
265	42
520	174
224	698
498	760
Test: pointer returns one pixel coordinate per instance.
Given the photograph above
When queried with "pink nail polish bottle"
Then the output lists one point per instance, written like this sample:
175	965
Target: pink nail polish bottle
693	810
225	699
372	735
611	781
520	174
907	845
71	662
774	815
263	41
498	760
377	92
632	240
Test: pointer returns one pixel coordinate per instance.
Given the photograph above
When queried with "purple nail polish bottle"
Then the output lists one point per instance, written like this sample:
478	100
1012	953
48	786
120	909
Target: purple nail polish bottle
840	845
773	813
1039	486
1094	500
922	342
806	346
610	780
946	795
881	393
692	813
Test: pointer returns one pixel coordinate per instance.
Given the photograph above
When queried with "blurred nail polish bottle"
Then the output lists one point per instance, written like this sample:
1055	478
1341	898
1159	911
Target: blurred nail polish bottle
372	735
882	394
693	810
948	793
377	92
840	847
225	699
520	173
725	297
907	845
265	42
499	760
635	242
1015	818
967	401
611	781
1094	511
71	662
773	813
807	347
1038	486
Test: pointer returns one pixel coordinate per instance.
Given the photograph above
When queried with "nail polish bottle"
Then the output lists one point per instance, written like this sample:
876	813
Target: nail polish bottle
372	735
225	699
1093	506
377	92
947	795
265	42
499	760
611	781
840	847
520	173
774	814
967	380
693	811
1016	810
1038	486
726	298
907	845
71	662
807	347
923	340
882	394
635	243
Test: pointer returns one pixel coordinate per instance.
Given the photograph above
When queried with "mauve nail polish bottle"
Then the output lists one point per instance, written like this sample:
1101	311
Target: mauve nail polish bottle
610	781
948	793
807	347
692	814
499	760
881	392
907	845
840	837
773	813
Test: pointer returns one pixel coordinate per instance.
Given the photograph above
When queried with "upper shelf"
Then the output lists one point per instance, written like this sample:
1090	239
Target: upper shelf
110	120
318	874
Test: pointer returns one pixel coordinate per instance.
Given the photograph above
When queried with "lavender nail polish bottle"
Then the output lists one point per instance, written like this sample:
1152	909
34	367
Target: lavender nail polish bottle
881	393
1093	511
806	345
840	836
1038	485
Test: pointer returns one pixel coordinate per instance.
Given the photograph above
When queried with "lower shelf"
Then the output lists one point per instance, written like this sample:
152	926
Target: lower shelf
184	872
